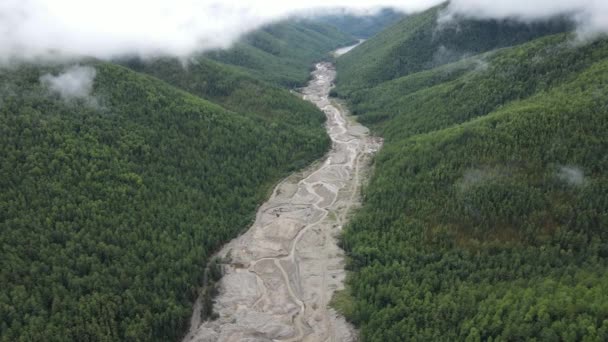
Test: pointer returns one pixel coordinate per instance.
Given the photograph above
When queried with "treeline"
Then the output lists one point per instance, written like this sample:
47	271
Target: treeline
486	216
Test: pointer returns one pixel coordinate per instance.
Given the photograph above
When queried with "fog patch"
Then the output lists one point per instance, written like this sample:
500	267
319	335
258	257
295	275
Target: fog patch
473	177
46	30
481	64
444	55
591	16
34	30
74	83
572	175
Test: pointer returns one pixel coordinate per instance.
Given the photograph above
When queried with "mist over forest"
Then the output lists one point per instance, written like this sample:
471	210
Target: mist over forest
348	170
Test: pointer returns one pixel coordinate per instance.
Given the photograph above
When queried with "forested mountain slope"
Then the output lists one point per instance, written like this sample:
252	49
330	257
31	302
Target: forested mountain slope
362	26
421	42
112	201
283	53
236	90
486	216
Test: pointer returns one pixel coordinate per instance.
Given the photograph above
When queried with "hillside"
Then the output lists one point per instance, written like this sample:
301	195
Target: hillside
485	218
112	201
236	90
421	42
283	53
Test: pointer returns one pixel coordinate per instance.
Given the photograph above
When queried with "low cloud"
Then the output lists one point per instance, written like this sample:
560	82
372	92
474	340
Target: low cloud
572	175
53	29
590	15
444	55
74	83
37	30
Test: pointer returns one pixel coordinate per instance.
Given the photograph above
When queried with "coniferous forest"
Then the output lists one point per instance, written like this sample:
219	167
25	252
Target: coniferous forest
112	203
486	216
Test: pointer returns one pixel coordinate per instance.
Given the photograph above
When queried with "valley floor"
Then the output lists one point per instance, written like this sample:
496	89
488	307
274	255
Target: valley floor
280	275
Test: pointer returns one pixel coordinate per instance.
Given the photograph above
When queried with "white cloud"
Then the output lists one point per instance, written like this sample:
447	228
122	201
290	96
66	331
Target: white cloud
591	15
75	83
31	29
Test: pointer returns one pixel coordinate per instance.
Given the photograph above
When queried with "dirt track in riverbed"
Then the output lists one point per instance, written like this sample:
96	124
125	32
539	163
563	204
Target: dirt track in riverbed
284	270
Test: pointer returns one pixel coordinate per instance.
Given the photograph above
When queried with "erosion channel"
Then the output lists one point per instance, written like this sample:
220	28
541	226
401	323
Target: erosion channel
280	275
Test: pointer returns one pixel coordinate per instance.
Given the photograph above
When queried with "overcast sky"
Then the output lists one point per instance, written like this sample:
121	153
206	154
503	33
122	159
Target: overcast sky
110	28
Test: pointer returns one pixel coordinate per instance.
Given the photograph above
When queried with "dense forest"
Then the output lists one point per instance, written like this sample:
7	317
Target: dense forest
284	53
233	89
113	199
421	42
486	215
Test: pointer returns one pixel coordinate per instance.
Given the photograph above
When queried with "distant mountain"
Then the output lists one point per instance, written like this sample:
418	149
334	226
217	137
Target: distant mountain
362	26
485	217
283	53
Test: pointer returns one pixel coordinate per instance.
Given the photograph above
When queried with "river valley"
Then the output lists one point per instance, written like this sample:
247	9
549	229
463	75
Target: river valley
281	274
